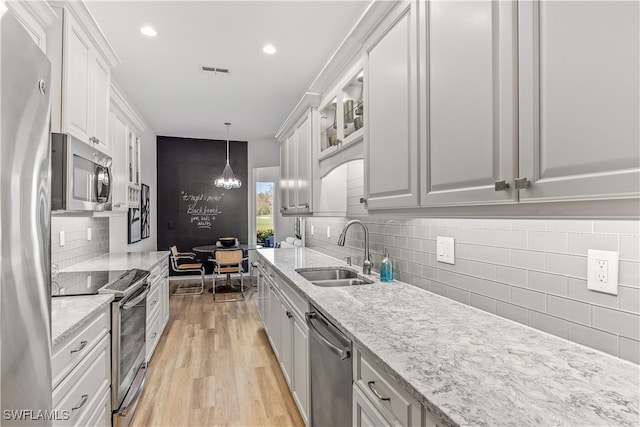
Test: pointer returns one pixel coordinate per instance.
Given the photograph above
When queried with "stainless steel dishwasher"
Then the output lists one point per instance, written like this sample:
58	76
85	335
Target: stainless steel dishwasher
331	372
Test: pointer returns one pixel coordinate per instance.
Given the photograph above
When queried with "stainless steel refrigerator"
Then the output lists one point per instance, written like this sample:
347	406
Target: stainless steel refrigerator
25	318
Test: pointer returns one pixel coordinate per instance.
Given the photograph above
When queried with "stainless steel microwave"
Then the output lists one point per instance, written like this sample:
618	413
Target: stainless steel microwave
80	175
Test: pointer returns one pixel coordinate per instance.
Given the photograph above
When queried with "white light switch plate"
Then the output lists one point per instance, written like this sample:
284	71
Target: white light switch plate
313	230
328	232
89	233
445	247
602	271
62	238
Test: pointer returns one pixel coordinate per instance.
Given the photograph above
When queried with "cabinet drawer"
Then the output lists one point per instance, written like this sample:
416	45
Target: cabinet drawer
67	354
386	394
100	414
365	413
153	301
81	391
298	303
154	332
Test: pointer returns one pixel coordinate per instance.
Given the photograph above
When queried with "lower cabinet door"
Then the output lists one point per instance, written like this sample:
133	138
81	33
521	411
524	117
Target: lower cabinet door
364	413
101	415
300	385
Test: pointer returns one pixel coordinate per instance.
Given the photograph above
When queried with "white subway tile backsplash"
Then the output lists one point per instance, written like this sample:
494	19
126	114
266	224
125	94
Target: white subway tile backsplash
630	248
629	349
530	224
629	299
77	248
530	271
580	243
617	227
569	309
593	338
548	283
512	276
529	299
528	259
569	265
483	303
496	255
616	322
578	291
516	239
513	312
547	241
578	226
629	273
549	324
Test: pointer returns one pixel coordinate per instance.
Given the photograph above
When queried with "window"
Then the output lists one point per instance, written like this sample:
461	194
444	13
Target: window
264	211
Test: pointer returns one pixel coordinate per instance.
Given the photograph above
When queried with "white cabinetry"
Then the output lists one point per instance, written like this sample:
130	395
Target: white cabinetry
579	112
282	310
35	17
82	60
157	306
468	100
391	113
297	139
81	370
378	399
125	126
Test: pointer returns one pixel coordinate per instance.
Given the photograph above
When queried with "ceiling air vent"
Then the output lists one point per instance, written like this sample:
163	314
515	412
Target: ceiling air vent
216	70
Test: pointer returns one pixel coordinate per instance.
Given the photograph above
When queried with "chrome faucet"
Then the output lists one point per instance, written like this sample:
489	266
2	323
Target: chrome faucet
366	264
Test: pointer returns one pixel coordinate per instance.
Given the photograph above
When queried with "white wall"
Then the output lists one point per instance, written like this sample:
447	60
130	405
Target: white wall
265	153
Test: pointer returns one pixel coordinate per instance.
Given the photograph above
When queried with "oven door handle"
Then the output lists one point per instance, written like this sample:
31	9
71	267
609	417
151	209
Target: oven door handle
130	304
138	383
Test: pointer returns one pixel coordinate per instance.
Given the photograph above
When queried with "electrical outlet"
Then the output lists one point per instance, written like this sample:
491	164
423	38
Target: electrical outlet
313	230
602	271
445	247
89	234
61	238
328	232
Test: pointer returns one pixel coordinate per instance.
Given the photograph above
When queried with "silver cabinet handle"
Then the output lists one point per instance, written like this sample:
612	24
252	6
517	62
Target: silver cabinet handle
341	353
84	399
153	335
522	183
289	315
83	344
348	260
373	389
501	185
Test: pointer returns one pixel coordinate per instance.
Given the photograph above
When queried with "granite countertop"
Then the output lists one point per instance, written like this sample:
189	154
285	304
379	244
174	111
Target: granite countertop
69	313
467	366
120	261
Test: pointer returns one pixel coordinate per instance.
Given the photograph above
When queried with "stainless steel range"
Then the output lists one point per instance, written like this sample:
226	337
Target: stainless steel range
128	330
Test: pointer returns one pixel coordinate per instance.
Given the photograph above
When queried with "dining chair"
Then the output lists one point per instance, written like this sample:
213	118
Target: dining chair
228	261
180	264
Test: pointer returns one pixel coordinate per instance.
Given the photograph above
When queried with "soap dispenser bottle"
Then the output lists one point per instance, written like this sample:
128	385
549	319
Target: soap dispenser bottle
386	267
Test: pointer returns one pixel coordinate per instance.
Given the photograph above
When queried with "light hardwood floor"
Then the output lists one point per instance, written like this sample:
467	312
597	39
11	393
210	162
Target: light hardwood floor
214	367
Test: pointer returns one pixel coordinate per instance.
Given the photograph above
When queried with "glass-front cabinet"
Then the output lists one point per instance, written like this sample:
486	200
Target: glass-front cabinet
342	115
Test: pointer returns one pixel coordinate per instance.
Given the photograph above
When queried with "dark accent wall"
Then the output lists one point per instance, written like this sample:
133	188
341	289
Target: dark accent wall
192	211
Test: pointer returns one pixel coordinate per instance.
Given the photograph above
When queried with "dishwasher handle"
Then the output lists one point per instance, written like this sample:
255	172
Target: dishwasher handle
341	353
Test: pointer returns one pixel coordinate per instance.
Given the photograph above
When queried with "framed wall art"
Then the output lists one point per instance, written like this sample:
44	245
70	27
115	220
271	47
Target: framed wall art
145	213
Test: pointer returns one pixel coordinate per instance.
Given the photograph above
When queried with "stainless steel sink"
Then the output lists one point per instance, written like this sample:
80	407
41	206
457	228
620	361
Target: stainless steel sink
333	277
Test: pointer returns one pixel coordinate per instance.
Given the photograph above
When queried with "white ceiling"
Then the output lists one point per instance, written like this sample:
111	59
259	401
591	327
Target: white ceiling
162	76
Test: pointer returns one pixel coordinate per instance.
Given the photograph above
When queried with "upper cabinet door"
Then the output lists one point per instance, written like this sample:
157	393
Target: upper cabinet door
292	174
391	92
284	178
579	104
468	102
100	116
77	83
304	177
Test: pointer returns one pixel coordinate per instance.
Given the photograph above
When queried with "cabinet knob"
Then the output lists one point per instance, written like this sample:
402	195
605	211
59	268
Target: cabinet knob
289	315
522	183
501	185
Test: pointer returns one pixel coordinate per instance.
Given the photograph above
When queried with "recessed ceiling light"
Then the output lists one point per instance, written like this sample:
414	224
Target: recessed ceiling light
148	31
269	49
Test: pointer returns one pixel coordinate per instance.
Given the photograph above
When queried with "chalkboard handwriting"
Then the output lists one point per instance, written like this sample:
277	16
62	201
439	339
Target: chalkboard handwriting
203	208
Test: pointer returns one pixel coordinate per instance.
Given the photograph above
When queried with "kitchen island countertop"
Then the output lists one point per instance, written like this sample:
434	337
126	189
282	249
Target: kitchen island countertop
119	261
70	313
467	366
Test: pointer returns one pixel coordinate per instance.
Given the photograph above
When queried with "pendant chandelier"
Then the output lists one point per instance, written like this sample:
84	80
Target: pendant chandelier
228	180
